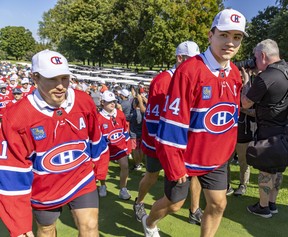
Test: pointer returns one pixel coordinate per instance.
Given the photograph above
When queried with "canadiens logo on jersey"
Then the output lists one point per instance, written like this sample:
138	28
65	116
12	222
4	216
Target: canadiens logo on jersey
221	118
65	157
116	135
38	133
206	92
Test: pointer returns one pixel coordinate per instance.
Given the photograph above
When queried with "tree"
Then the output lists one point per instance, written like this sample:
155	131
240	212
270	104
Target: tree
283	3
258	30
80	26
16	41
127	28
127	31
277	33
172	22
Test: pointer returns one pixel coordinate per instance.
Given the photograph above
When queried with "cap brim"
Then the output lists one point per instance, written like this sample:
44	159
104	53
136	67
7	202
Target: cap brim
54	73
221	28
109	100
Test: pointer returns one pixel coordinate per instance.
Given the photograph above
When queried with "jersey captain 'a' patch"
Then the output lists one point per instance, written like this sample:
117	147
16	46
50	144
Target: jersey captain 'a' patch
38	133
206	92
220	118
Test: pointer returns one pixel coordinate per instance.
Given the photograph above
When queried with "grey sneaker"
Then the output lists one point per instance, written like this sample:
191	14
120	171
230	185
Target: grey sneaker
102	191
273	208
124	194
137	167
241	190
259	211
195	218
147	231
139	210
229	191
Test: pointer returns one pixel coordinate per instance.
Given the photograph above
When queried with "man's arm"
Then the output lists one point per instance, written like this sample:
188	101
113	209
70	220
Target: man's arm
246	103
15	184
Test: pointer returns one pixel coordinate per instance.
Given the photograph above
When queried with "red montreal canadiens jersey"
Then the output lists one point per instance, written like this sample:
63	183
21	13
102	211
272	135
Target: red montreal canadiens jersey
116	133
198	126
53	156
27	91
156	99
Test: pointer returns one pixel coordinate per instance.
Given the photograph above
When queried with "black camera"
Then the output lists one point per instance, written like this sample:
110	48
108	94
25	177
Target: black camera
247	63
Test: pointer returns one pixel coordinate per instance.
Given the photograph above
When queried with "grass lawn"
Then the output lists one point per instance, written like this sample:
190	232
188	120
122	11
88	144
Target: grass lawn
117	219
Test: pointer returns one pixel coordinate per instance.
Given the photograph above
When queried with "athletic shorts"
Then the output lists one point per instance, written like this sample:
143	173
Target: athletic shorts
48	217
136	143
153	164
214	180
174	191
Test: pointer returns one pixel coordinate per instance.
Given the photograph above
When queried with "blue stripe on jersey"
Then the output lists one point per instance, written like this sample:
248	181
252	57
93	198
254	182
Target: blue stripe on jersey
152	148
98	148
152	126
173	133
198	167
15	180
118	153
69	195
196	120
126	134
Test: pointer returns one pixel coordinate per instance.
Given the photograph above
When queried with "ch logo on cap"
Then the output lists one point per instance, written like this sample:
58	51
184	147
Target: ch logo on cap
56	60
235	18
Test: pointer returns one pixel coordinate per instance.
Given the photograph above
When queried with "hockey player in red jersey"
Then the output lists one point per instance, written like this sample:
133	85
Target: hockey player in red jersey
199	116
156	99
5	97
52	153
26	87
114	128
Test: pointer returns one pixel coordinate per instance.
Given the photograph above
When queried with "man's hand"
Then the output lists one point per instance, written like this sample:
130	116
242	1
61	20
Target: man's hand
182	179
245	76
28	234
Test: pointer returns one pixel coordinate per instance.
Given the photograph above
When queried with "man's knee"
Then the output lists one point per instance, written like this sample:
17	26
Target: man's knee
89	226
218	206
174	207
46	230
152	176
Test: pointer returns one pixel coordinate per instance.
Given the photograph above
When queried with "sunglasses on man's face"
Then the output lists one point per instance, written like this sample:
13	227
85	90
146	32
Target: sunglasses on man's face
110	102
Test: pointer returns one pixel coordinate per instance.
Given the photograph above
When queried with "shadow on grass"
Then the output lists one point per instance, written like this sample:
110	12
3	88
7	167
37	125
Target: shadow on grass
117	216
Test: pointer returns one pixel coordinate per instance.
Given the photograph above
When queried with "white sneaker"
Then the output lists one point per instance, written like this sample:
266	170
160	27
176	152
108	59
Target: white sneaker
102	191
124	194
147	231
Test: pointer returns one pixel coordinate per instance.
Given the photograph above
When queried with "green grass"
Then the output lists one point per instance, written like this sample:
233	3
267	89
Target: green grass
117	219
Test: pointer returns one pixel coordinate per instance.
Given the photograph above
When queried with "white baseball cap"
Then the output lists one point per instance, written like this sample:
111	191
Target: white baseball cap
188	48
230	19
14	77
50	64
108	96
25	80
124	92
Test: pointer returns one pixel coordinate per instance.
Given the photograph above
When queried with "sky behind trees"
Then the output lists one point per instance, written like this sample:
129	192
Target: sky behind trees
28	13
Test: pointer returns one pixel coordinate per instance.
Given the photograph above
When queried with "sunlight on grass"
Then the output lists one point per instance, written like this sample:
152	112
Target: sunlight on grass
117	218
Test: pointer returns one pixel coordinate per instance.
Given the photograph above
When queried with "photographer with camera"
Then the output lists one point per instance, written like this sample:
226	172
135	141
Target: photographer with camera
268	89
